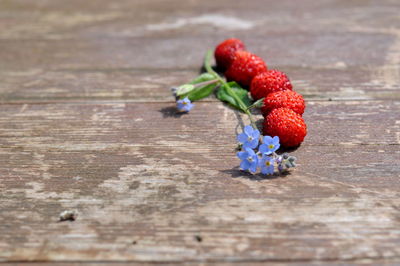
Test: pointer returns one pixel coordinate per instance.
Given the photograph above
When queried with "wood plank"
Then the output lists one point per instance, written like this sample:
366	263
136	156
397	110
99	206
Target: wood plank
311	49
329	123
150	34
87	123
153	85
57	19
148	184
128	84
61	52
386	262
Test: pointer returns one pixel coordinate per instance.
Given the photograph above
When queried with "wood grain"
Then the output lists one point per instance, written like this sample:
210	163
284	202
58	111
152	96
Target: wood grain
330	123
87	123
314	49
139	172
153	85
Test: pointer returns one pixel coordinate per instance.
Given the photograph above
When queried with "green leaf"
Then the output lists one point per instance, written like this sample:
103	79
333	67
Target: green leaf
200	92
194	90
202	78
223	95
184	89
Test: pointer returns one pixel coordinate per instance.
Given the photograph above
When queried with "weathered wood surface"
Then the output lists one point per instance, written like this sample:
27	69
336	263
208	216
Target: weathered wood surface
149	86
87	123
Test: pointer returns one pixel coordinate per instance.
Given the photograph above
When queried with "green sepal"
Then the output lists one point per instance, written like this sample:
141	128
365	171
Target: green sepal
257	104
289	162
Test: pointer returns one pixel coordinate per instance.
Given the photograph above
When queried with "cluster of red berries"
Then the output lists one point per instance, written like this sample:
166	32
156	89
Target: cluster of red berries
283	108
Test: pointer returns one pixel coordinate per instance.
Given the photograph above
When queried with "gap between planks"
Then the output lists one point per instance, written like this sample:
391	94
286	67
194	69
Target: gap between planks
112	101
362	260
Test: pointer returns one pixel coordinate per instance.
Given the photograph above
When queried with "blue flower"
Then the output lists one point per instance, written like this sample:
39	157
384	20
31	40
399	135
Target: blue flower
269	145
184	105
249	138
267	165
249	160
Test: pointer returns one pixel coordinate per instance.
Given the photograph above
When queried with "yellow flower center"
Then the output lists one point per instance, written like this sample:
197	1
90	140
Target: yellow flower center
271	146
267	163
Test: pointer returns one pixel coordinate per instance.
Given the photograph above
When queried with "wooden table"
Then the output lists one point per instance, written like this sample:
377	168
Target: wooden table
87	123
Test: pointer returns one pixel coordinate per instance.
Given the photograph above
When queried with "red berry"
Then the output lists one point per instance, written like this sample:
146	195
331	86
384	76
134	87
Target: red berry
245	67
225	52
288	99
267	82
287	125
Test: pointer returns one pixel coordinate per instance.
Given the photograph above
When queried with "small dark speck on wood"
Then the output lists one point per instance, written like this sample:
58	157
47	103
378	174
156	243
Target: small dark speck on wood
68	215
198	238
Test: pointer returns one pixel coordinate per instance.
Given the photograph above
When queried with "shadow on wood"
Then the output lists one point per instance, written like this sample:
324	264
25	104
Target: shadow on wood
237	173
171	111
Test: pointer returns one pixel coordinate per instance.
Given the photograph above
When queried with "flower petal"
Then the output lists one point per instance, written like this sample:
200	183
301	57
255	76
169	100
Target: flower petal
253	167
248	130
264	149
277	147
264	170
256	134
242	155
253	144
275	140
267	170
266	158
244	165
271	169
242	137
250	152
189	106
267	140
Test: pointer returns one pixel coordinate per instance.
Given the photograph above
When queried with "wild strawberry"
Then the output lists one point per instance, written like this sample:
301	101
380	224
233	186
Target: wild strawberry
225	51
267	82
289	99
244	67
287	125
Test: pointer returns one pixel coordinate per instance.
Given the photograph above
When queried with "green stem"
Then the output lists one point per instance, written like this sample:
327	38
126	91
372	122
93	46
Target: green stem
209	82
209	69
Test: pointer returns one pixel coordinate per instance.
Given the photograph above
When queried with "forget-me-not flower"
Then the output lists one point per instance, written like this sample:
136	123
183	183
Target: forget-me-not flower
267	165
249	160
249	138
269	145
184	105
